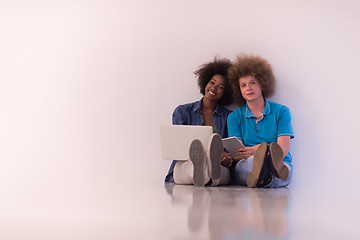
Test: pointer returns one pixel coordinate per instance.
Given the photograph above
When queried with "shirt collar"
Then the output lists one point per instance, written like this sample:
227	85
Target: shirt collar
218	110
249	114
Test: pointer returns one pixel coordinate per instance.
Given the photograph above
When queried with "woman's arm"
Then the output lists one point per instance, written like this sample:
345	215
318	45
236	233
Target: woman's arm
178	116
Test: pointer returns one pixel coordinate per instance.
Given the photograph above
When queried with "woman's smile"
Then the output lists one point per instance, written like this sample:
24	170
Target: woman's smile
212	93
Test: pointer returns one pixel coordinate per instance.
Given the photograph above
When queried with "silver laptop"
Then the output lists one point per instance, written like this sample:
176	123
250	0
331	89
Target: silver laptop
176	139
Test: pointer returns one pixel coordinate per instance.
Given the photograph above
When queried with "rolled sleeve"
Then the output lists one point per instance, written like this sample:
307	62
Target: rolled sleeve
178	117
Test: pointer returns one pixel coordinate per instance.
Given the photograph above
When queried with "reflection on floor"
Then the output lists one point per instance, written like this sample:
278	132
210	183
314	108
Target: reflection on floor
178	212
229	212
233	212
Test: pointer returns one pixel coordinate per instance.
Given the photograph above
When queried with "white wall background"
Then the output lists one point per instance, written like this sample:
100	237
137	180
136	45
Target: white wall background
84	86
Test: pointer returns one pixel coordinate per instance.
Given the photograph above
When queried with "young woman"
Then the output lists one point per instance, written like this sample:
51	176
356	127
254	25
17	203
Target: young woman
204	169
264	127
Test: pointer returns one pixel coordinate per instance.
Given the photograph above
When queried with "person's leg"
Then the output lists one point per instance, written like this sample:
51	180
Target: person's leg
281	171
260	174
183	172
224	176
278	182
241	170
276	162
253	171
203	166
198	158
195	170
219	175
213	155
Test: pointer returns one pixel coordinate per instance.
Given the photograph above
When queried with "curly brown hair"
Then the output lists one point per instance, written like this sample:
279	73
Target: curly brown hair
217	67
255	66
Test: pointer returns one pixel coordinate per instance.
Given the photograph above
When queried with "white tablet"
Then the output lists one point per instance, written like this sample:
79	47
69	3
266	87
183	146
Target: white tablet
232	144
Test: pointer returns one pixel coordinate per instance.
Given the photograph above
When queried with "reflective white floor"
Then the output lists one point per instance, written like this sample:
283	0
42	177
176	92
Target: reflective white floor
158	211
243	213
231	213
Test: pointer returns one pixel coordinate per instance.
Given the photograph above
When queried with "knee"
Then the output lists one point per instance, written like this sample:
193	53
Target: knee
244	165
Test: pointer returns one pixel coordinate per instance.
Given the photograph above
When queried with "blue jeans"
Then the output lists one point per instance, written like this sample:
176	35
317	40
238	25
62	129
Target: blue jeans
241	170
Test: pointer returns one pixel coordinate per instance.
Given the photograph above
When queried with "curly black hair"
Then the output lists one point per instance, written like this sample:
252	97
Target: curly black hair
217	67
255	66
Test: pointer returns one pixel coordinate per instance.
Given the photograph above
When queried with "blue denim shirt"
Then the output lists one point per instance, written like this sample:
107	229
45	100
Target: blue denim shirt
190	114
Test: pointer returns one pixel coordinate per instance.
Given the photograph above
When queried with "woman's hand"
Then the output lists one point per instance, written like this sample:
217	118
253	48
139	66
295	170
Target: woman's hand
245	152
226	159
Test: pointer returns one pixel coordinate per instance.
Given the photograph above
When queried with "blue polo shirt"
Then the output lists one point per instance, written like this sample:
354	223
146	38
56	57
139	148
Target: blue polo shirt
276	122
190	114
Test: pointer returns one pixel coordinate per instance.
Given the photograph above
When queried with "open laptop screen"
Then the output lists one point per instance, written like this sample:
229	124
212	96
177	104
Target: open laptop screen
176	139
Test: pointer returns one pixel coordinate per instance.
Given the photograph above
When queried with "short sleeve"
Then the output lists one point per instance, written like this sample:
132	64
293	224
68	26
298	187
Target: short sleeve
233	124
284	123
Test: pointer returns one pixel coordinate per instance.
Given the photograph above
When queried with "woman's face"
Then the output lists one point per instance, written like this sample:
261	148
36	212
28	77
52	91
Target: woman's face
215	88
250	88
